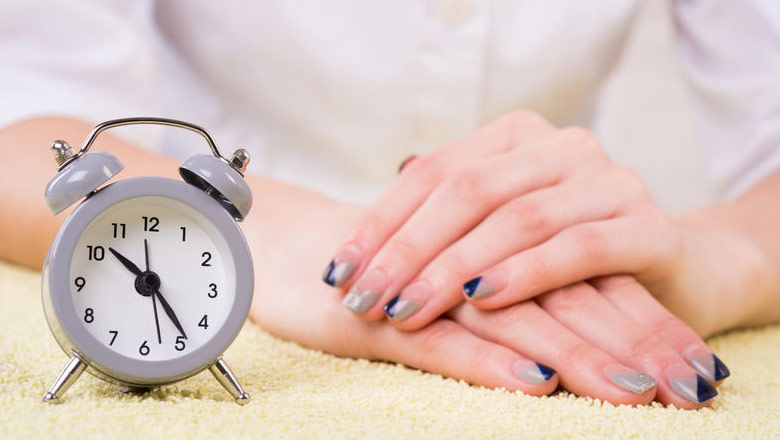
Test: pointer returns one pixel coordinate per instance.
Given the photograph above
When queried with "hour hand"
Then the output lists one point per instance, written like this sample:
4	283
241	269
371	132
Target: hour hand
125	262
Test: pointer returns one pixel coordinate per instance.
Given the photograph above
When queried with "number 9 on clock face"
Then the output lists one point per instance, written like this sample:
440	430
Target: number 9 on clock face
177	290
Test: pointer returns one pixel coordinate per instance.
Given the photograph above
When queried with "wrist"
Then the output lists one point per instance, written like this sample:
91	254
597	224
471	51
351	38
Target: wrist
725	269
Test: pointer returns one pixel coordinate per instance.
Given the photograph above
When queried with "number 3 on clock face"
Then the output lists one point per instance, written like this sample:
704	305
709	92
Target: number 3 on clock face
136	245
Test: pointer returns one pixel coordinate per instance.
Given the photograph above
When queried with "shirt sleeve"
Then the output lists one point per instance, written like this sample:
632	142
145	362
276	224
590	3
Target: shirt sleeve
729	52
83	59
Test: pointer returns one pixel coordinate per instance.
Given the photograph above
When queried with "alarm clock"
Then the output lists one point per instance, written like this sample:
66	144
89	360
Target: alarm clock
149	279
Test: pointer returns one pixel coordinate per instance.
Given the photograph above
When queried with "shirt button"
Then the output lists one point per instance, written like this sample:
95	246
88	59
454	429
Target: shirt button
453	12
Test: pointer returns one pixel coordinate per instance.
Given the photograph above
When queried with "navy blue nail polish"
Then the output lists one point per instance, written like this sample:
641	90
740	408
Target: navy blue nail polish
327	275
337	272
399	309
546	371
704	391
469	287
721	370
477	288
390	306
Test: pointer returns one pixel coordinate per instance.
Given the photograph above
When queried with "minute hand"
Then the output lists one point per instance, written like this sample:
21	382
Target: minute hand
170	313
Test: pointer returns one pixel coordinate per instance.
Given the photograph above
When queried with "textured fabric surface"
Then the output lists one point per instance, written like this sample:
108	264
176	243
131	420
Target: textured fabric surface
303	393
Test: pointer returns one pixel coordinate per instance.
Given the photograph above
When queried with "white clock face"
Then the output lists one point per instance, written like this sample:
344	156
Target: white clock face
162	311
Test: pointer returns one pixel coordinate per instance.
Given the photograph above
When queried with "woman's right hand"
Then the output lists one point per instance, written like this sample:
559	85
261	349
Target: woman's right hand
587	336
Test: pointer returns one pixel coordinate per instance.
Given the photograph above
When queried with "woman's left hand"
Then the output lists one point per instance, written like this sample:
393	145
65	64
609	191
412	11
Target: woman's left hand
517	209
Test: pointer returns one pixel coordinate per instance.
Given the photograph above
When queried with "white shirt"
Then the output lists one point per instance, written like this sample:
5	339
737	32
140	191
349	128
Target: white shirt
333	95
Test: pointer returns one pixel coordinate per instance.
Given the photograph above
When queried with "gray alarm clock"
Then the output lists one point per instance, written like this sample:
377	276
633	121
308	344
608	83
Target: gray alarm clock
149	279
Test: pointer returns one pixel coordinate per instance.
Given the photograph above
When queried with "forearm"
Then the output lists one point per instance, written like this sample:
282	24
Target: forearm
27	227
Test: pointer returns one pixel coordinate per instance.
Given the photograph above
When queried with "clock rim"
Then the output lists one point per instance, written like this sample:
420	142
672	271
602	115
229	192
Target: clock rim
65	322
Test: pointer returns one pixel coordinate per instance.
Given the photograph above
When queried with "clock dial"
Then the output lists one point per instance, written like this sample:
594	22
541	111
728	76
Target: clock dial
152	278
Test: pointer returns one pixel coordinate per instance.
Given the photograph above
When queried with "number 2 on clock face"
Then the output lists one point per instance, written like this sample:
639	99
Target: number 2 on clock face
152	278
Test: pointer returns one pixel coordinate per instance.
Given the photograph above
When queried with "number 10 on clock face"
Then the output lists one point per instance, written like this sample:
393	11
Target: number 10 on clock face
152	278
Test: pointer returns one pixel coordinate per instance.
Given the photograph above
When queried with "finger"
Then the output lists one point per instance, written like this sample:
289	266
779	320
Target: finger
418	180
447	348
518	225
582	368
625	293
583	251
456	206
585	312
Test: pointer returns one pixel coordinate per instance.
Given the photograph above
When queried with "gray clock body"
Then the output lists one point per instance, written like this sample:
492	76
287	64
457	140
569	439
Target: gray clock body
68	324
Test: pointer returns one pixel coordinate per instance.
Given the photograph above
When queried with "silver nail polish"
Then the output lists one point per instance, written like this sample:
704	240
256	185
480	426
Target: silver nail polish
359	302
686	387
531	375
633	381
337	273
404	308
483	289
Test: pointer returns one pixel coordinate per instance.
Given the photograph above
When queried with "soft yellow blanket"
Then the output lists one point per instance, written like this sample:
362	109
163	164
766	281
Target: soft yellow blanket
303	393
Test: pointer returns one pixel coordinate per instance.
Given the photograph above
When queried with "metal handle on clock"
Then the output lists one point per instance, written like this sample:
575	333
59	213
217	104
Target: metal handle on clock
103	126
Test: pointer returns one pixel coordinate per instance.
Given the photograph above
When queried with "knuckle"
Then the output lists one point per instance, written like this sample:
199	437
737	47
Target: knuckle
575	353
468	185
582	140
572	298
508	317
648	347
401	248
425	171
521	119
628	180
433	341
529	215
667	325
589	242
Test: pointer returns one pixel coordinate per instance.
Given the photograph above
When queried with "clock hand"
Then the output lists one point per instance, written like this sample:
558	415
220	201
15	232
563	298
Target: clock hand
125	262
146	254
154	300
156	320
170	313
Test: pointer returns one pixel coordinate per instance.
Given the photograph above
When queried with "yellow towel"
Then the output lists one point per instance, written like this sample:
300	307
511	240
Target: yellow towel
301	393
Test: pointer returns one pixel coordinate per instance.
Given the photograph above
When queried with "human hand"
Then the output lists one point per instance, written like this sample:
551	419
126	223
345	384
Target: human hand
598	335
514	210
482	348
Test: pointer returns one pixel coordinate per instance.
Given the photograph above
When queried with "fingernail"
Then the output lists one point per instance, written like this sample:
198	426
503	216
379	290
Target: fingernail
532	372
477	288
366	291
399	309
706	363
689	385
484	285
631	380
359	301
342	266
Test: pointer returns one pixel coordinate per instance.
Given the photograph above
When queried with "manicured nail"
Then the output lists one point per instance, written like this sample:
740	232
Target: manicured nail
359	301
631	380
532	372
399	309
477	288
342	266
689	385
706	363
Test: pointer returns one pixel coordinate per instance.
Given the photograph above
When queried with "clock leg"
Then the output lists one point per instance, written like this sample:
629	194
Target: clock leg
225	376
69	375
